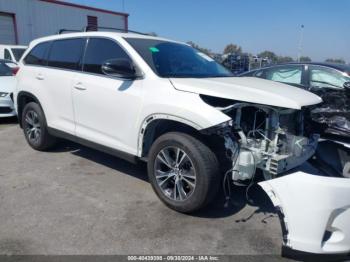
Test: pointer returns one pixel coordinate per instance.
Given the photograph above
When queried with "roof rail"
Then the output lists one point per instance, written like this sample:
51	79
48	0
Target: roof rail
96	28
61	31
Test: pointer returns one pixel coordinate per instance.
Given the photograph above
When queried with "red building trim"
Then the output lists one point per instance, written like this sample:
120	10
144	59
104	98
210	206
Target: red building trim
85	7
14	24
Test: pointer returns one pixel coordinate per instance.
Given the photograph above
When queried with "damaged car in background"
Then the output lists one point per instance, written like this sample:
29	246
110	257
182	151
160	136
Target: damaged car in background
332	118
194	124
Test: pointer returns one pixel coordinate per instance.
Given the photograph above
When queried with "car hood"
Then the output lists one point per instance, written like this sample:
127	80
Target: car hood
7	84
249	89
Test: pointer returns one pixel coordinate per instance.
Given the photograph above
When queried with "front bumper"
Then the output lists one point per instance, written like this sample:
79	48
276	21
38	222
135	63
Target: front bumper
314	209
7	108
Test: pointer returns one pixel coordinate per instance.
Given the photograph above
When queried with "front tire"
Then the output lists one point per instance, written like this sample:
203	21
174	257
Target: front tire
183	172
35	128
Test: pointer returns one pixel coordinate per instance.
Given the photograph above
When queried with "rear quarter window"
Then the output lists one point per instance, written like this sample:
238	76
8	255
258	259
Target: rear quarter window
38	55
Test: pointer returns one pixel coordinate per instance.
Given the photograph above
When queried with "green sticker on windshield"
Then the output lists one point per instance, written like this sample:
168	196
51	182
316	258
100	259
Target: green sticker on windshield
154	49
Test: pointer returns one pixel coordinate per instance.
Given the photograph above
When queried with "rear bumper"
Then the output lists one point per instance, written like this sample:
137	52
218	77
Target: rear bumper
7	108
315	211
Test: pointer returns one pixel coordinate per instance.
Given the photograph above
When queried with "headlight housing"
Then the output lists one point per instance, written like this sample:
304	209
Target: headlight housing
3	94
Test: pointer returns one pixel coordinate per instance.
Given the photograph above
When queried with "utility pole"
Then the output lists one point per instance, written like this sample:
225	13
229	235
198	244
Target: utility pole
300	48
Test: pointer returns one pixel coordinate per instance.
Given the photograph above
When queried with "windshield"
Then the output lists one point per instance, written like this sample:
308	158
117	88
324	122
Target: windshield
5	70
18	52
169	59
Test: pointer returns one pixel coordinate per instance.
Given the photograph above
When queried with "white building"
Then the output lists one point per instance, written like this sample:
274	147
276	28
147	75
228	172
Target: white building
21	21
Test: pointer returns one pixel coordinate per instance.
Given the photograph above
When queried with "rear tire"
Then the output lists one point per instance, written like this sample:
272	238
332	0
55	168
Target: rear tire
35	128
183	172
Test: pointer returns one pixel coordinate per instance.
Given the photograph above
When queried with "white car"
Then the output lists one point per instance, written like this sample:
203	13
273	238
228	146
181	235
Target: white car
147	98
12	52
7	86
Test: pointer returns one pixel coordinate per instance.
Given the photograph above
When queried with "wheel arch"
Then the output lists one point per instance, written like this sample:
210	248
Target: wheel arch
24	98
159	124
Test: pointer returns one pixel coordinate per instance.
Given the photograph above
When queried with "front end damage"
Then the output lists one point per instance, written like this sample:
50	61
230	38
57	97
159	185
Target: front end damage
314	210
332	117
263	137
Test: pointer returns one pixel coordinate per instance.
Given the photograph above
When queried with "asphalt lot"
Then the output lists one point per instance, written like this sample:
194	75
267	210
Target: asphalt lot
76	200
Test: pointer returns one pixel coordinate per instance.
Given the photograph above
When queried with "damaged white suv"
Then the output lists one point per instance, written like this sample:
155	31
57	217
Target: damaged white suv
148	98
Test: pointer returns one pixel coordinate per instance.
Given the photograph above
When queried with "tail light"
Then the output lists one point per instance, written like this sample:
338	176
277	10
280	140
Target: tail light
15	70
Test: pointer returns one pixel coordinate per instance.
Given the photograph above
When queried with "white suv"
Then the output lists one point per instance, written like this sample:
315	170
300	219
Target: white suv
147	98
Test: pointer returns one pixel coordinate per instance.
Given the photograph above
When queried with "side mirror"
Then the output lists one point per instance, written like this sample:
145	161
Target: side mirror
122	68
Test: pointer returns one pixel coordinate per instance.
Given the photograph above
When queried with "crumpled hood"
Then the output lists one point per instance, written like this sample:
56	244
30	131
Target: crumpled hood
248	89
7	84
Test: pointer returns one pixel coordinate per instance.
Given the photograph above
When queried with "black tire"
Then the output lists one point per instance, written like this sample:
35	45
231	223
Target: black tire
44	140
206	170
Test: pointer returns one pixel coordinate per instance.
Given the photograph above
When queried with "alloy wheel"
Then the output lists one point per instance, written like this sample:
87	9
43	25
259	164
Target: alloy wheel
32	128
175	173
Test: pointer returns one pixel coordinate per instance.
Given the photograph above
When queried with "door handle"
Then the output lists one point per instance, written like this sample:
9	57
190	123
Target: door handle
40	77
79	86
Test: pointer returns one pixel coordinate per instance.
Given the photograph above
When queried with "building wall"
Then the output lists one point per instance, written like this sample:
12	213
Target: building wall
35	18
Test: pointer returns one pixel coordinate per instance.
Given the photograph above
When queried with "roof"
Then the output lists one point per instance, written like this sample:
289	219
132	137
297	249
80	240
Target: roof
85	7
98	34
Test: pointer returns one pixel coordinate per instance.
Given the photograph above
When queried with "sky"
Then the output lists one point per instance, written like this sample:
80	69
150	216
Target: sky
255	25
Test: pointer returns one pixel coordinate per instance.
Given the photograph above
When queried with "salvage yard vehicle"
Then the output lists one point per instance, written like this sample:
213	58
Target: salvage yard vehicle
148	98
12	52
7	86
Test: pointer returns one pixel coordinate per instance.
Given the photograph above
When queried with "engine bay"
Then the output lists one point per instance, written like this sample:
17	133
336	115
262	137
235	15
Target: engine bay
263	137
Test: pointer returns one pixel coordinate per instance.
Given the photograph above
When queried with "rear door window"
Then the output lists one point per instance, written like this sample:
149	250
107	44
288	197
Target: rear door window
67	54
98	51
285	74
38	55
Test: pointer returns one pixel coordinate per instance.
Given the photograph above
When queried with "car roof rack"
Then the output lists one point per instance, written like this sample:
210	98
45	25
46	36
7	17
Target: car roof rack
96	28
61	31
123	30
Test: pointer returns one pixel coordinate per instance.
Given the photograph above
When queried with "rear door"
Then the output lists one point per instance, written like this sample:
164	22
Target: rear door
106	108
64	61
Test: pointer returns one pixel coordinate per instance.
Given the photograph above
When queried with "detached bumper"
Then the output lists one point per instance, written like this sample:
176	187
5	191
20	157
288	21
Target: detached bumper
315	211
7	108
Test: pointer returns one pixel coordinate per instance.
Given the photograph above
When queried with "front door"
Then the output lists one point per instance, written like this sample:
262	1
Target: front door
106	108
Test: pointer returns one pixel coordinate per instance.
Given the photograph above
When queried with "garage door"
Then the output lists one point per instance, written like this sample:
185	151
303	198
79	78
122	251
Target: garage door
7	29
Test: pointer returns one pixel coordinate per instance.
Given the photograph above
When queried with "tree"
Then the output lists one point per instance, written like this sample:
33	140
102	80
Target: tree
284	59
336	61
232	48
202	49
269	55
305	59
